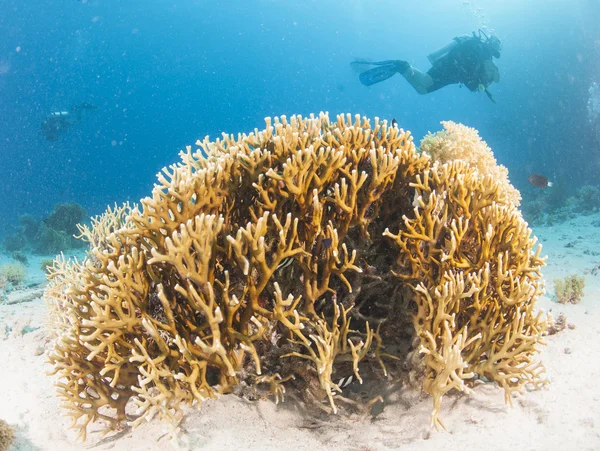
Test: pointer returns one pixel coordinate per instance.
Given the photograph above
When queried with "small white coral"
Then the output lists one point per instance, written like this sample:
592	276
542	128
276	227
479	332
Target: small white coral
459	142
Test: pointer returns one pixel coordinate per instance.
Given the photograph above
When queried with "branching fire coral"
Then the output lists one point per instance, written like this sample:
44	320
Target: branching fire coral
292	256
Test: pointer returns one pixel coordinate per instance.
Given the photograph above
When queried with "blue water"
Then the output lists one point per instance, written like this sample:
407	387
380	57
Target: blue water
165	73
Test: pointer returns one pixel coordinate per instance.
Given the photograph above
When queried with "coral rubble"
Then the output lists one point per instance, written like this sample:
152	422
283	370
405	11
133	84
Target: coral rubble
288	257
557	325
588	198
51	235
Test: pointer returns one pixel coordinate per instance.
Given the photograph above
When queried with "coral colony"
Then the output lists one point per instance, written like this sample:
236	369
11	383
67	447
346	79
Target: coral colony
292	257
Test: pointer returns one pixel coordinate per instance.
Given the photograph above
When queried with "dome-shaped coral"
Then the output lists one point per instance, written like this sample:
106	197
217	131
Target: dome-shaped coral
459	142
295	251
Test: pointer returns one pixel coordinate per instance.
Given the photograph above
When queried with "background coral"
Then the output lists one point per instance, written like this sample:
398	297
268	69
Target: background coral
13	273
20	257
459	142
46	264
534	211
29	227
588	197
555	205
51	235
289	257
14	242
51	241
569	290
65	218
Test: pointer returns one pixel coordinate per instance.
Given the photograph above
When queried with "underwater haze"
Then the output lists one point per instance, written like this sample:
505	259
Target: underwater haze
165	73
238	280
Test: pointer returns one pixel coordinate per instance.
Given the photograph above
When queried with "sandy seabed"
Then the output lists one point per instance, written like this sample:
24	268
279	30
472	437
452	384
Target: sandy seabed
562	416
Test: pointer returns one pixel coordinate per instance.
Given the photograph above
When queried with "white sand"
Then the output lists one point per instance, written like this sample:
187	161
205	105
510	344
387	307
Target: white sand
562	416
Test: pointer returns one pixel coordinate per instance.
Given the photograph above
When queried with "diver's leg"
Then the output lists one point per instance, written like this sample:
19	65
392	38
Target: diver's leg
418	80
364	65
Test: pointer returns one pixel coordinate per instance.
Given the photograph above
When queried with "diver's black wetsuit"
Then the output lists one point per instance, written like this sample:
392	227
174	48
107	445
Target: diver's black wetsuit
463	64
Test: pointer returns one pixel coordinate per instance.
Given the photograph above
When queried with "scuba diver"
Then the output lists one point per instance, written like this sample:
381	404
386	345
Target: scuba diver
58	122
466	60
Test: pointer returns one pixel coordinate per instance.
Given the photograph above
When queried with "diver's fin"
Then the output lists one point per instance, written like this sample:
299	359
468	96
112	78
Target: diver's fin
359	66
380	73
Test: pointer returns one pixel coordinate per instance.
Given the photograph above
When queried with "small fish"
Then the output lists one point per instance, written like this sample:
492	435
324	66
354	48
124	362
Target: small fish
539	181
344	382
394	123
285	263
